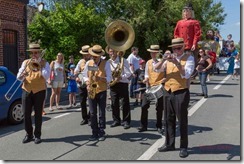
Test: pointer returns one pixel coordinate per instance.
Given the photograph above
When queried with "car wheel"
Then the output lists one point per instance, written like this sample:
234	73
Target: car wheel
15	114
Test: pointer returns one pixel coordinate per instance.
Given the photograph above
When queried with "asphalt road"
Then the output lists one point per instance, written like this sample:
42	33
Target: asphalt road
214	132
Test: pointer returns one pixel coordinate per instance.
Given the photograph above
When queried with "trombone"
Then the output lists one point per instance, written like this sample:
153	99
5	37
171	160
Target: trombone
34	65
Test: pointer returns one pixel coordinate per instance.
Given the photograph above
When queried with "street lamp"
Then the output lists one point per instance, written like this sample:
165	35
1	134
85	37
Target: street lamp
40	6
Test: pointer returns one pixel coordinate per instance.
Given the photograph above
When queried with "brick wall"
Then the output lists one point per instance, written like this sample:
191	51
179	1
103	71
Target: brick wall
12	17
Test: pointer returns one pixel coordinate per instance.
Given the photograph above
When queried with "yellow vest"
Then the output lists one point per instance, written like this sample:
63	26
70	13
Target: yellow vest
155	78
101	86
34	82
174	80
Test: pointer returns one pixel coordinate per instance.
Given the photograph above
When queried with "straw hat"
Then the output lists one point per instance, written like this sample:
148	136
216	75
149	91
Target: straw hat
96	50
84	49
154	48
177	42
34	47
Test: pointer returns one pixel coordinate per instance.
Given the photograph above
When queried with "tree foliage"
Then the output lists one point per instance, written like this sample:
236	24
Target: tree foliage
73	23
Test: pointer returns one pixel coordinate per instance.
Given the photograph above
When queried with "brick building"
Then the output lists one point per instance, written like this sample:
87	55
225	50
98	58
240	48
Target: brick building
13	33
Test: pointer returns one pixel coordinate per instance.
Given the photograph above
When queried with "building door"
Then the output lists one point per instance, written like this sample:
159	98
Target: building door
10	51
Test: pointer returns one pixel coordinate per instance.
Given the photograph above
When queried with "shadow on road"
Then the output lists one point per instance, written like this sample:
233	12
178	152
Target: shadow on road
229	149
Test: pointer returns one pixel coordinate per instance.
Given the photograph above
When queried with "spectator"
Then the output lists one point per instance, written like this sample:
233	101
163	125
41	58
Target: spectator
72	87
203	66
58	80
141	87
133	60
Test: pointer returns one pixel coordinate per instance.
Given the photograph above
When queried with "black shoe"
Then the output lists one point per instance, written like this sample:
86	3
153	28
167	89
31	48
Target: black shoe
115	124
37	140
166	148
183	153
200	94
160	131
126	126
83	122
93	138
102	136
27	139
142	129
205	96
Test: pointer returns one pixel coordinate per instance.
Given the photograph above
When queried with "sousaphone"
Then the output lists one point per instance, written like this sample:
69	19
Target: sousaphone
119	35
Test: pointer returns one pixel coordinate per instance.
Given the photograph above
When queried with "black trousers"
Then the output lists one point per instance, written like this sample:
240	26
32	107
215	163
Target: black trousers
83	99
144	111
117	92
98	124
30	100
176	106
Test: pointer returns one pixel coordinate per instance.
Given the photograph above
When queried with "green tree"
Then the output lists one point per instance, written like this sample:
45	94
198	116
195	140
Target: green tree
153	22
66	30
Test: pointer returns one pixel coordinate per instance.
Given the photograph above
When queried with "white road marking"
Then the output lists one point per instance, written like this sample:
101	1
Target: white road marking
196	106
61	115
152	150
222	82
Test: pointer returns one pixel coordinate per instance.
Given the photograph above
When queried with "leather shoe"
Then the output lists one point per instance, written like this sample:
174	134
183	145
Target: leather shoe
165	148
83	122
126	126
142	129
27	139
115	124
160	131
37	140
183	153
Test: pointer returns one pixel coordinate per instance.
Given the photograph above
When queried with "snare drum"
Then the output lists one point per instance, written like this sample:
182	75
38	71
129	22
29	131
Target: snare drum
154	92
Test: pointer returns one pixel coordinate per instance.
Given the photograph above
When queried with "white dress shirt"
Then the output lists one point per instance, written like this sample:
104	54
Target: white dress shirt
126	73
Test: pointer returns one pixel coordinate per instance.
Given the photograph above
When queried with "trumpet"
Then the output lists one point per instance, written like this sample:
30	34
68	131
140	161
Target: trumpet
34	65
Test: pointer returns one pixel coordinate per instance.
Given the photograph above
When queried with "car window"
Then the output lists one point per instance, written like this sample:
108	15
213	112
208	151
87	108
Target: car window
2	77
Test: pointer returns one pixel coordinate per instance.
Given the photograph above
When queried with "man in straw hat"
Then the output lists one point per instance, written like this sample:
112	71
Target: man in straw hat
34	90
119	88
152	78
97	73
83	91
179	68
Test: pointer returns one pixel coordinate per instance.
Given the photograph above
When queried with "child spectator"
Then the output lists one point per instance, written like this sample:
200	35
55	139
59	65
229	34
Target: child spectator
72	87
141	87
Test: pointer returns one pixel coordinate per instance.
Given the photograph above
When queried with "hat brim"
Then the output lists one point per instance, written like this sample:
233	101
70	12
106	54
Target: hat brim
150	50
179	44
96	54
34	49
84	53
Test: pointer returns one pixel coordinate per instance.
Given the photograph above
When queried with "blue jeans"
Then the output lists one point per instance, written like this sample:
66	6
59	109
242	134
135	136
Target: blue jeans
202	78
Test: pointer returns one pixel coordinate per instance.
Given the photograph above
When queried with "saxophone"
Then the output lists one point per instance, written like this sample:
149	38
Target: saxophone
116	73
93	86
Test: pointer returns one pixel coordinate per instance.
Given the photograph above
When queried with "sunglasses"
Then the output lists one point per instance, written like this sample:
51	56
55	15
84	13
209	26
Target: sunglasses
178	48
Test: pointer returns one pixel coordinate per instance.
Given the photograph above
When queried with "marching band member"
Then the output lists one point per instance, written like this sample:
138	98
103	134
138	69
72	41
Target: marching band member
119	88
152	78
97	75
83	90
178	71
34	90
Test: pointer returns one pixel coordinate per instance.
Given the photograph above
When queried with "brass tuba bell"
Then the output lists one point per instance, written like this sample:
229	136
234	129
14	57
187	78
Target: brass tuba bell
119	35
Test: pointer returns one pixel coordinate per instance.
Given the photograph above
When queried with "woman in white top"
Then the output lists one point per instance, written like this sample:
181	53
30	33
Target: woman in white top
58	80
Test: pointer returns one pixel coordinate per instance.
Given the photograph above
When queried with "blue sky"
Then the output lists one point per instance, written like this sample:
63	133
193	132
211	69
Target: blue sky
232	20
